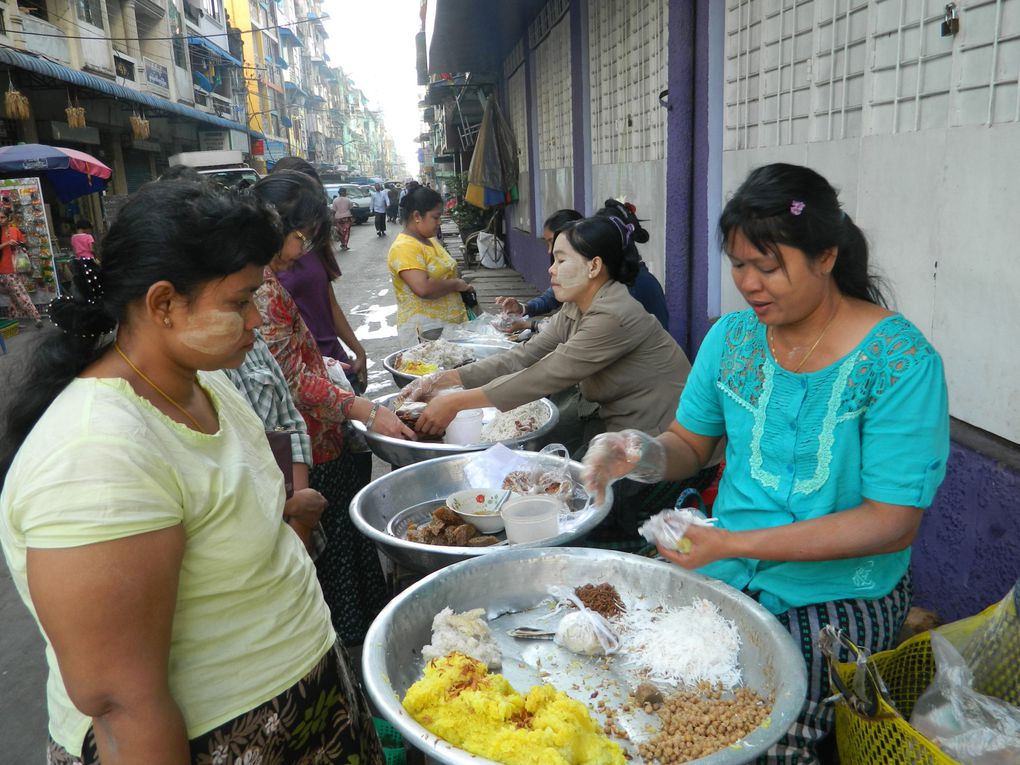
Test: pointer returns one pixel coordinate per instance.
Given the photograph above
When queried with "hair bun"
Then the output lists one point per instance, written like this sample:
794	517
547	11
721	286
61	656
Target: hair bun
83	315
627	213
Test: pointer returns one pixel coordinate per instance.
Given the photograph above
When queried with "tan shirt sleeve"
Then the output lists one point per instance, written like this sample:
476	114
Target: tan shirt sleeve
515	359
599	340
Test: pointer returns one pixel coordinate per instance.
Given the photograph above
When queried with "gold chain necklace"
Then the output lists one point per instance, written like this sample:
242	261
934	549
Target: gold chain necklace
158	390
772	339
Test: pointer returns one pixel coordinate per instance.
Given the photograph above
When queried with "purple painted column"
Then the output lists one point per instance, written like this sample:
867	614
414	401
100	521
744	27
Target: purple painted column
579	99
679	170
698	307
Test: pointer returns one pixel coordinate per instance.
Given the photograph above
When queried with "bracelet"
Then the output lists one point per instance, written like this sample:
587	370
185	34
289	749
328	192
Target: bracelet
371	416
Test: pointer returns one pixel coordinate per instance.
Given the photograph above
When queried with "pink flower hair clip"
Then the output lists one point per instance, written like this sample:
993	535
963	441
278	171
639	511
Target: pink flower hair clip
796	207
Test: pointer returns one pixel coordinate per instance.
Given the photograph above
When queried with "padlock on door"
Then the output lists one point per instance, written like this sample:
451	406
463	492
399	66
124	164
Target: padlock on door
951	22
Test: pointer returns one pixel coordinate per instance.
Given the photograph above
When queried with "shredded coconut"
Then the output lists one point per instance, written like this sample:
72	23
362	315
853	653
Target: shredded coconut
681	646
441	353
515	423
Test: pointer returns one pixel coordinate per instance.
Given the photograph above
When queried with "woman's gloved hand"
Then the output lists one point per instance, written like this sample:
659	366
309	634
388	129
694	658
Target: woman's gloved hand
628	453
422	389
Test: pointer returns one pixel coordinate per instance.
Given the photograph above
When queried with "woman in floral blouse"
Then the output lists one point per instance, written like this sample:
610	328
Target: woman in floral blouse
349	569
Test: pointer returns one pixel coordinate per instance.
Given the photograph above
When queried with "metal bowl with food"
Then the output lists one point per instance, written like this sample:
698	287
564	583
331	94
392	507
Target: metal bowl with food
392	362
399	452
382	510
513	589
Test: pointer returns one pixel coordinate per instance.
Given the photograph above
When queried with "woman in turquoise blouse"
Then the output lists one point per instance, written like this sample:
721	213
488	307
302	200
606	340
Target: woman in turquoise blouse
836	421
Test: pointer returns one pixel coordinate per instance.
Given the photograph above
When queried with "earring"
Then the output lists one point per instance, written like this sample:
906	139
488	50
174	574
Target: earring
166	322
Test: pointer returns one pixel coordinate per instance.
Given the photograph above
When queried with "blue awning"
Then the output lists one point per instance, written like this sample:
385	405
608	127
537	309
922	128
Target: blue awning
288	36
216	50
106	87
293	87
202	81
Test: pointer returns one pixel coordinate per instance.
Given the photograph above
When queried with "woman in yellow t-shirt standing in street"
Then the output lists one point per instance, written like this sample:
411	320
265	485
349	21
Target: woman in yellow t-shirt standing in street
425	279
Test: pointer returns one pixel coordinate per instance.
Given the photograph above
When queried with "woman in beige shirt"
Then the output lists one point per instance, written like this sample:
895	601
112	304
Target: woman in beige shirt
602	339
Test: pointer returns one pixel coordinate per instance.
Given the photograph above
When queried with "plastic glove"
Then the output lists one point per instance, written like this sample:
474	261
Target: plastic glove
508	322
422	389
630	453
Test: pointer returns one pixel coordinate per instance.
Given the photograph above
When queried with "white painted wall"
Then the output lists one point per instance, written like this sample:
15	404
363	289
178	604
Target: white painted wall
922	136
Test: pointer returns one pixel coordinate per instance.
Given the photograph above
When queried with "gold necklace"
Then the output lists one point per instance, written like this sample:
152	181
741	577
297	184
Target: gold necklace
772	339
160	391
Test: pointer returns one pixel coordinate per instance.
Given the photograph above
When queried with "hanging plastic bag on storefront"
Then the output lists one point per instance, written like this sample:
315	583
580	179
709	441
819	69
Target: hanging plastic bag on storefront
490	251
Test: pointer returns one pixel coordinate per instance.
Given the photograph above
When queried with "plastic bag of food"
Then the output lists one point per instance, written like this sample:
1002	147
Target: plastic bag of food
337	373
505	321
547	475
583	631
669	527
968	726
488	469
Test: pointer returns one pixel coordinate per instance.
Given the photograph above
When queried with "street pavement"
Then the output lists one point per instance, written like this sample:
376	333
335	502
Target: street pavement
366	294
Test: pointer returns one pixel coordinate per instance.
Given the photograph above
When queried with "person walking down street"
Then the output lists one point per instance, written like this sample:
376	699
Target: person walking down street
141	512
835	415
380	201
12	244
393	200
349	569
425	280
343	218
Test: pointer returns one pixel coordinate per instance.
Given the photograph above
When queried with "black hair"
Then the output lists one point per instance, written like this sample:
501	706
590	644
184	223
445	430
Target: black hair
609	234
791	205
341	192
83	223
181	173
561	218
298	164
323	248
299	201
177	231
420	201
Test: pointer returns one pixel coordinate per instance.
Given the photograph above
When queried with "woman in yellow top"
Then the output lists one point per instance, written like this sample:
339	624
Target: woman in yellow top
425	277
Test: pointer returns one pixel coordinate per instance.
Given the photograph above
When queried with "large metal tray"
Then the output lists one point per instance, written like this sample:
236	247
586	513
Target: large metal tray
428	484
510	585
481	351
400	453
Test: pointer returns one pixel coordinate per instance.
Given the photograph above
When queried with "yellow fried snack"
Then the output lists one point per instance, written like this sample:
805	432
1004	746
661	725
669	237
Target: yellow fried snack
459	701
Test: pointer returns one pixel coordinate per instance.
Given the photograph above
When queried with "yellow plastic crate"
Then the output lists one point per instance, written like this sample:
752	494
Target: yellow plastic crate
8	328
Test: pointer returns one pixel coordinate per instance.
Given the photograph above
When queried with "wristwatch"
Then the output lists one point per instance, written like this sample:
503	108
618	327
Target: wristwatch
371	416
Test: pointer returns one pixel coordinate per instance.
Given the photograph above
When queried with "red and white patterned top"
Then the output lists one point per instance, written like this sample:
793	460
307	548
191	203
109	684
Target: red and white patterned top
295	350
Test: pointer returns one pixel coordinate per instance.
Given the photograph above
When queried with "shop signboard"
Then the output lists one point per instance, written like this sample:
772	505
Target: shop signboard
157	76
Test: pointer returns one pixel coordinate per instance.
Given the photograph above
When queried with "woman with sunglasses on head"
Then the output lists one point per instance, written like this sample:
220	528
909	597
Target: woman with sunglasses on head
349	569
141	515
835	416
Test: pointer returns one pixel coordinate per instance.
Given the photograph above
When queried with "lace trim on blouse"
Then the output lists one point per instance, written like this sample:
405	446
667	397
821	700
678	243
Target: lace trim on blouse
748	376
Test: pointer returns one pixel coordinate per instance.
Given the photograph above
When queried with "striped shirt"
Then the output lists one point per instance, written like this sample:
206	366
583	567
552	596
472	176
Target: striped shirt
261	381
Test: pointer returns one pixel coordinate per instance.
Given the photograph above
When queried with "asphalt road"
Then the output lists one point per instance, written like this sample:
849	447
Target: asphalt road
366	294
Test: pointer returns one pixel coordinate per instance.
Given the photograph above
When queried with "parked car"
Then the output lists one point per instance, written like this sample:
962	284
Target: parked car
361	203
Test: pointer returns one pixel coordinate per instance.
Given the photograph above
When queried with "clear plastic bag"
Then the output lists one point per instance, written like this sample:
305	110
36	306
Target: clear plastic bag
547	476
668	528
583	631
968	726
505	321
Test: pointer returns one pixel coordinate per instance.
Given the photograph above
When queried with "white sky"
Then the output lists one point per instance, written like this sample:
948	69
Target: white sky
373	42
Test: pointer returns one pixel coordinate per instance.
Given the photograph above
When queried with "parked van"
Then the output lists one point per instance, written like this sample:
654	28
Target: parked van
225	167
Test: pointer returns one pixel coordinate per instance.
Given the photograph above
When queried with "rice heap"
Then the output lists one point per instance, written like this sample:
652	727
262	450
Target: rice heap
481	713
434	355
517	422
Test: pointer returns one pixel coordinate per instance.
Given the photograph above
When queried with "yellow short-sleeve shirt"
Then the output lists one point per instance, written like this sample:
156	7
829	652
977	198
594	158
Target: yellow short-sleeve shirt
408	254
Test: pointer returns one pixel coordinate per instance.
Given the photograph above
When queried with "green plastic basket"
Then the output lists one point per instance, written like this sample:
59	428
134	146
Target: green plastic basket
392	742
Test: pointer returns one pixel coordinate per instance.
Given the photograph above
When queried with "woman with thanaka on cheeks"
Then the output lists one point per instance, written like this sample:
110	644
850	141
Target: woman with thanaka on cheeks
836	421
349	569
602	339
141	513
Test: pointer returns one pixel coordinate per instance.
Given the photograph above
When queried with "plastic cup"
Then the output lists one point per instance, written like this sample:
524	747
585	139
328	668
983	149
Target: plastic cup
465	428
531	519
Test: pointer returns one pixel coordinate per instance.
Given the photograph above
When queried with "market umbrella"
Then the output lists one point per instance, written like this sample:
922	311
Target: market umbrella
492	176
71	173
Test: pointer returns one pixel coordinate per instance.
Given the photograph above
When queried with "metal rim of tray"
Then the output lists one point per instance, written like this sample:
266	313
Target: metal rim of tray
388	700
444	448
398	375
382	539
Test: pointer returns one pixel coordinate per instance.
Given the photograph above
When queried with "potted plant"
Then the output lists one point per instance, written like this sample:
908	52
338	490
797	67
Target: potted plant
469	219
